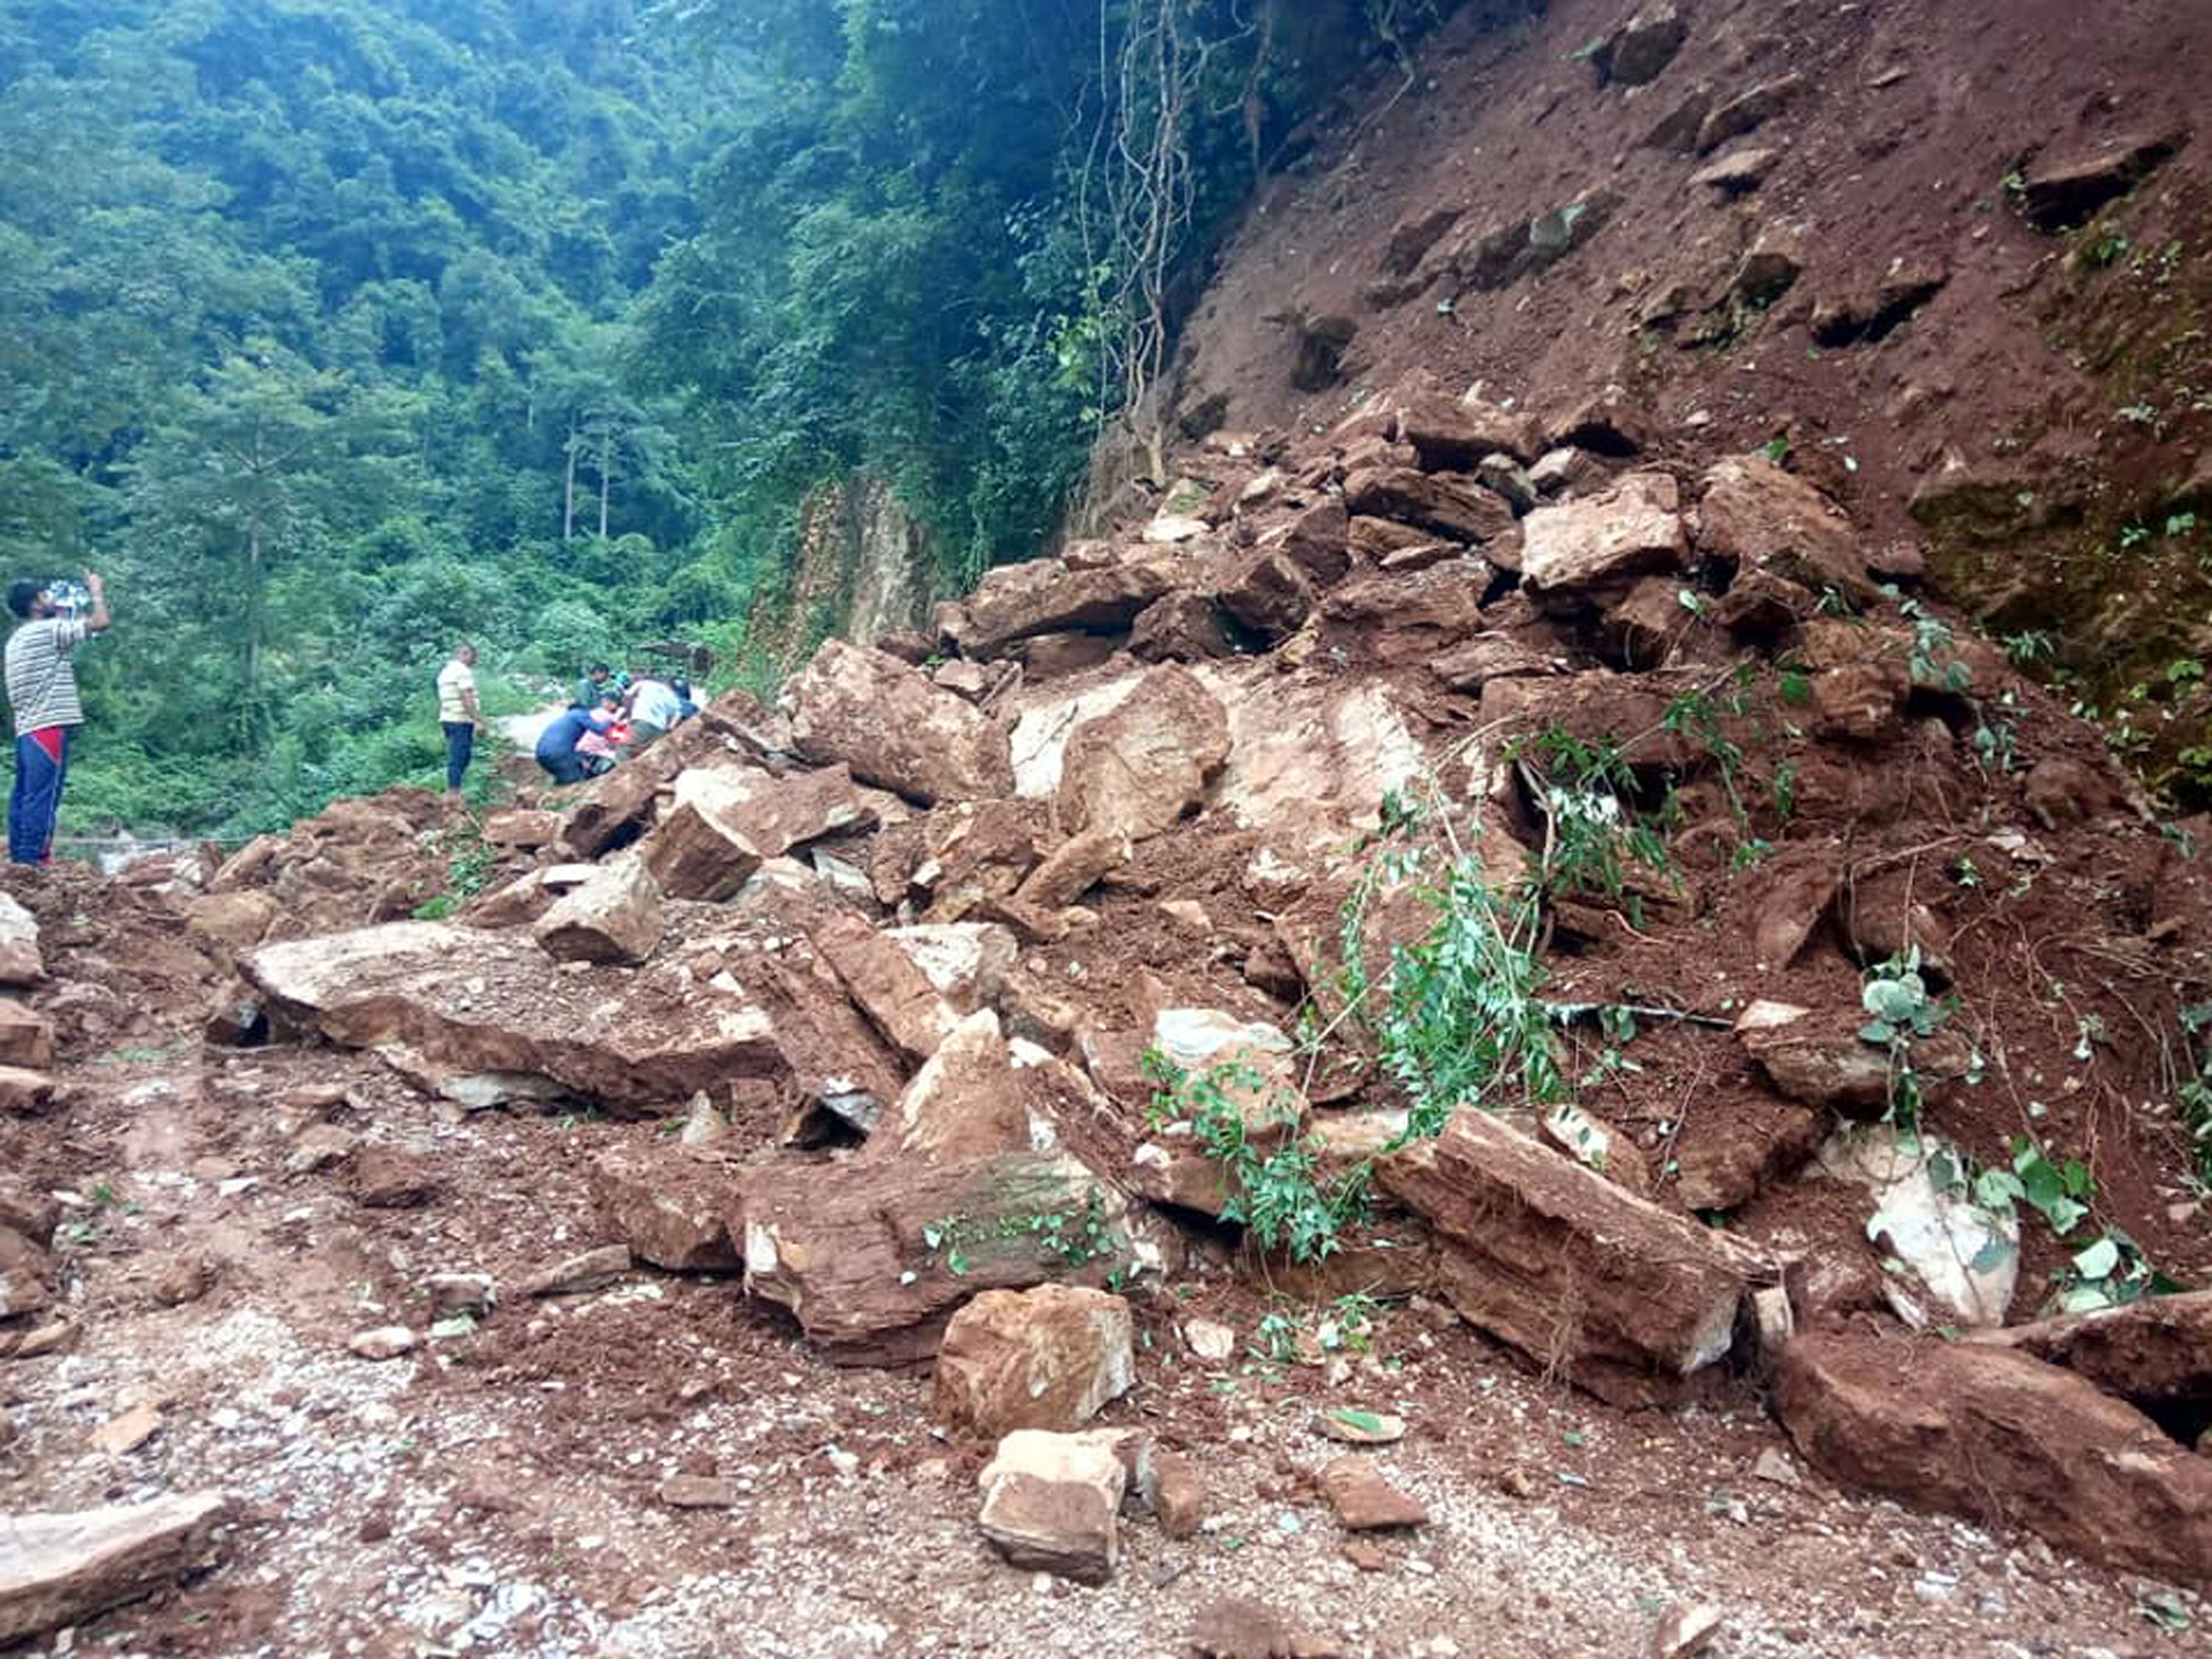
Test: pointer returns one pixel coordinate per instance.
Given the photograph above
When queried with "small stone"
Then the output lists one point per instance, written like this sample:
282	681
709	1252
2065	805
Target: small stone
1359	1428
184	1278
593	1270
1364	1501
1050	1502
706	1122
1210	1342
1685	1629
700	1491
1187	912
456	1295
1177	1494
320	1146
386	1342
386	1178
1366	1556
1775	1466
127	1432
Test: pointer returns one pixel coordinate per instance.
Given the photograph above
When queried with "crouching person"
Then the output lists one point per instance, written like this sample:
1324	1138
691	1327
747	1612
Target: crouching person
557	743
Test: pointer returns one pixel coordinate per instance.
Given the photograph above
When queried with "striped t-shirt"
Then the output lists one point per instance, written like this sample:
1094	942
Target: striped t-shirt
42	678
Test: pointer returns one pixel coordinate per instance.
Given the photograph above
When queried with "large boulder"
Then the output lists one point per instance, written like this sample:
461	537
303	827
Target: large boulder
722	822
885	984
1754	517
613	810
1597	547
967	962
1641	47
873	1256
1136	770
1263	592
1044	596
835	1061
471	1001
700	849
895	729
614	917
669	1203
1624	1299
1997	1435
1455	507
965	1103
1070	869
1452	433
2061	191
232	921
1042	1358
2157	1351
19	964
60	1569
1393	619
27	1036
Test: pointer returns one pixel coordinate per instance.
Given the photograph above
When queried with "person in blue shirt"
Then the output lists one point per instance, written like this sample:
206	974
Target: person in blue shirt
557	744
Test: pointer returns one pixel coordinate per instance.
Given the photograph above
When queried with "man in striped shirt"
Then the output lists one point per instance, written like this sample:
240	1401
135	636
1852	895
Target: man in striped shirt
42	691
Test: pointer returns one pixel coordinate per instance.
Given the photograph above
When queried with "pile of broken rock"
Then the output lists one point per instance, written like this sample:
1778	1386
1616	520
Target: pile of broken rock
898	948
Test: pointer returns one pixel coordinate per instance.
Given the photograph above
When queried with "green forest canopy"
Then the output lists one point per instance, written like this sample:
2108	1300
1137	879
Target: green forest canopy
334	332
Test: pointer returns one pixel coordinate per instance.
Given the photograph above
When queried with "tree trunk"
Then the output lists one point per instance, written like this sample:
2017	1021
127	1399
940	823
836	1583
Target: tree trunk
256	610
607	469
568	491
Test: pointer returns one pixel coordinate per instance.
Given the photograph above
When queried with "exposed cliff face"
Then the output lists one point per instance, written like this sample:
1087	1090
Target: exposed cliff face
863	569
1954	260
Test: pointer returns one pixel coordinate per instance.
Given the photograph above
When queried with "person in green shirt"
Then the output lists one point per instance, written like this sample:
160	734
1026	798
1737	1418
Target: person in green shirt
592	687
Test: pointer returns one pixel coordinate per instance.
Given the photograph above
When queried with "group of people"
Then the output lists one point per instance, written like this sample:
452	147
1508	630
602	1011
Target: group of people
610	716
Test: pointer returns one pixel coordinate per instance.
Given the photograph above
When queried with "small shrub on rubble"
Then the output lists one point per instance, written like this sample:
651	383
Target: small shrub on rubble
1280	1195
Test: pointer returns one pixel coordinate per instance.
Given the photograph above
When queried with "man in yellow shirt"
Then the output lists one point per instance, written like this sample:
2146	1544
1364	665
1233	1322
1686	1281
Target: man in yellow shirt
457	713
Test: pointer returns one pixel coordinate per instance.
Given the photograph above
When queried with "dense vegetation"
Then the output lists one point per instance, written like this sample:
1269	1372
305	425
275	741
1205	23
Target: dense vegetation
336	328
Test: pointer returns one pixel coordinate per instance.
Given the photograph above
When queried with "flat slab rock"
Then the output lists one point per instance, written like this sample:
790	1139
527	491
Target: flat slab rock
1364	1500
55	1569
2002	1438
2155	1351
863	1252
472	1001
1627	1299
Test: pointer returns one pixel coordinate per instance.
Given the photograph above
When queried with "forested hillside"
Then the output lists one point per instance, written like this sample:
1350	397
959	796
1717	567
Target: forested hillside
312	325
334	329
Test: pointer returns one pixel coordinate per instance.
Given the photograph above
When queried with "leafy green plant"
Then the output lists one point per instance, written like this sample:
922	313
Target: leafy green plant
1464	1013
1586	792
1931	659
2195	1094
1901	1011
470	860
2028	647
1275	1191
1275	1338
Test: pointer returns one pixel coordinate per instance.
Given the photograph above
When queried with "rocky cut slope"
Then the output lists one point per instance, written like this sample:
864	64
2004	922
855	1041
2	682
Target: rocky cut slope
1952	261
1718	971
